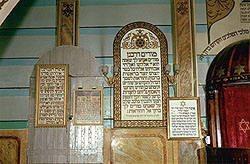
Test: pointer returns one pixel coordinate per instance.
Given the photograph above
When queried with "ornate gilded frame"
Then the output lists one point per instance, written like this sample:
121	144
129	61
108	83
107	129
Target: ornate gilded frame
65	69
10	142
117	80
89	122
197	117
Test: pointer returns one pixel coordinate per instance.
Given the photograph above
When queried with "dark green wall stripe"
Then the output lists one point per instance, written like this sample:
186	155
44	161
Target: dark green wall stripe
15	124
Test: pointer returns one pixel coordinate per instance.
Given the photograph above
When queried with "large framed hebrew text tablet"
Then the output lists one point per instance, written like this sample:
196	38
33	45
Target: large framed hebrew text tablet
51	95
140	86
183	118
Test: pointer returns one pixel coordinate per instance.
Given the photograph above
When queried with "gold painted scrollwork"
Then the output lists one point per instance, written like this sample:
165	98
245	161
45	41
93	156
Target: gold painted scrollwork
217	10
67	22
140	39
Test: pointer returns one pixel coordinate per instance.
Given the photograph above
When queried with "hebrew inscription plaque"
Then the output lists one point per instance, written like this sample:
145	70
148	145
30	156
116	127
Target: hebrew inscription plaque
140	87
51	95
183	118
88	107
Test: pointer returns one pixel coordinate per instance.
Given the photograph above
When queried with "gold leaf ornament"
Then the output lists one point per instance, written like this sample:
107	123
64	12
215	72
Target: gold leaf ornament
218	9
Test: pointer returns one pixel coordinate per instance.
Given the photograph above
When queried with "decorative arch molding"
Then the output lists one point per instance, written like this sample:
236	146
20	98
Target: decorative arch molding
223	41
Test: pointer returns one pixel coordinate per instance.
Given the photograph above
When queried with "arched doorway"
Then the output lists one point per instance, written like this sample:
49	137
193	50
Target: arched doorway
228	97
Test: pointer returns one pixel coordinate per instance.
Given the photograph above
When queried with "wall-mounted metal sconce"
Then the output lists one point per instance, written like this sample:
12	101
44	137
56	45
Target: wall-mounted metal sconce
172	79
105	71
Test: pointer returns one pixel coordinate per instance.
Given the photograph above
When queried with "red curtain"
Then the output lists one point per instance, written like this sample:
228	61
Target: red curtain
235	116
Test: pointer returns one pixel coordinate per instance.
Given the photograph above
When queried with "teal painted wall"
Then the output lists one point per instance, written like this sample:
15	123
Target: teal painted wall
13	124
31	29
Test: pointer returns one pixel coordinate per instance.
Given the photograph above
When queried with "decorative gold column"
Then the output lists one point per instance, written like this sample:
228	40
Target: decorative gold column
183	32
184	47
67	22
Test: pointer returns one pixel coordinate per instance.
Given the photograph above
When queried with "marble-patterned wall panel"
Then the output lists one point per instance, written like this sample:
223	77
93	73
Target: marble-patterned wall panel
188	151
86	144
48	145
138	146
